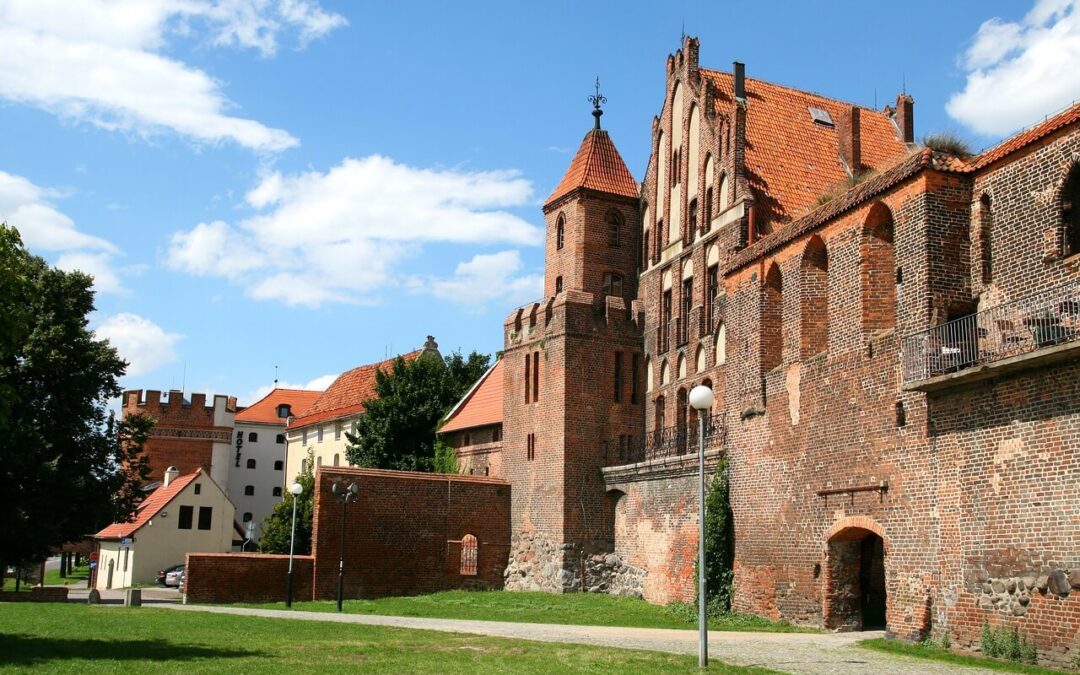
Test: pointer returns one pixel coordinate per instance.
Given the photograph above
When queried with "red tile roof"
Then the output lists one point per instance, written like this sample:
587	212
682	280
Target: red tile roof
597	166
346	396
1048	126
482	405
265	409
149	508
792	160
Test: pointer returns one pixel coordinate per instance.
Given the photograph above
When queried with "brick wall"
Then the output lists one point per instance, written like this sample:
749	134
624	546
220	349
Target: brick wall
36	594
185	433
245	577
403	534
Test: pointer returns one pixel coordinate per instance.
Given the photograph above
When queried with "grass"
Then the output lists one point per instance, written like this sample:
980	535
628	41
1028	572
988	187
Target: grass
587	609
77	577
948	142
937	653
85	639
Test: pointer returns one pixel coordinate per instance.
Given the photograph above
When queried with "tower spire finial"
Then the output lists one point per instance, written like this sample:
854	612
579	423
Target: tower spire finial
597	99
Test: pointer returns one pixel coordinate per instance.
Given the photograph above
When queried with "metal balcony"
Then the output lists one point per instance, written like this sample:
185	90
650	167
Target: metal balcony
1011	334
662	443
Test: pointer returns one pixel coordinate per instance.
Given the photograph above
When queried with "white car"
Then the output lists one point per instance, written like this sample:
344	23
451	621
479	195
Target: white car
174	577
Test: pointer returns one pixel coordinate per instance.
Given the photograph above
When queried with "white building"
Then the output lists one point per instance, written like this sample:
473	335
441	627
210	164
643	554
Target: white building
257	469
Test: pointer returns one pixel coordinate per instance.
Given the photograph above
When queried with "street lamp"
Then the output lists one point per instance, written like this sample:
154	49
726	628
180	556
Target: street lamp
701	398
295	489
343	495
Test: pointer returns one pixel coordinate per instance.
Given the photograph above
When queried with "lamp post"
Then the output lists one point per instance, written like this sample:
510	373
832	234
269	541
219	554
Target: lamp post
295	489
343	495
701	398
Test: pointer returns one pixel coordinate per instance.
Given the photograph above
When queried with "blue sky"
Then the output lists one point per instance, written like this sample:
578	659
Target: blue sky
312	185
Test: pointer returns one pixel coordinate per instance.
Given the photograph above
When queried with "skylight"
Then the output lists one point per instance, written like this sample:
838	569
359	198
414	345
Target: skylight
821	116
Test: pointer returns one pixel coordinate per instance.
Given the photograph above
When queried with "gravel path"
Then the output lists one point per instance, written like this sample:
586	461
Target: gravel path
818	653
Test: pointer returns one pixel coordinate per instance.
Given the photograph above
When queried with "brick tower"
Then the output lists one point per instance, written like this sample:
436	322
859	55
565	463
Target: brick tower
574	373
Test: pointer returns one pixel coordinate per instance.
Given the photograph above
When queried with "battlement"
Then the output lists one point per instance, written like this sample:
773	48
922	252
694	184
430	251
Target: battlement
572	309
173	409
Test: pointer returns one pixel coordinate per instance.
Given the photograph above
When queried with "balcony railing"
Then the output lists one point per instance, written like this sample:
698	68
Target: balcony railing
667	442
1043	319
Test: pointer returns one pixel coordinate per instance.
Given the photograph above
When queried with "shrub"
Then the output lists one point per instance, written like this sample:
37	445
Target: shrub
1007	643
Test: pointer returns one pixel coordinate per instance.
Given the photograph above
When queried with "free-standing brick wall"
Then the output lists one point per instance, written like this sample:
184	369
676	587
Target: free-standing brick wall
245	577
403	533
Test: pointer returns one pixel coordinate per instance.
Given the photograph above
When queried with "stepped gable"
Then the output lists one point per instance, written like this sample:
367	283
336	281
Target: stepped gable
790	159
265	409
482	405
347	394
597	166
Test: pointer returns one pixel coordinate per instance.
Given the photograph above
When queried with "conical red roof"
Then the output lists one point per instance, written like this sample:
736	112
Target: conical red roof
597	166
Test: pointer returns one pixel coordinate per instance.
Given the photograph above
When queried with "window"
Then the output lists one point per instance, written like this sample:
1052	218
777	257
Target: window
772	316
560	234
305	437
318	461
198	488
206	514
253	437
249	490
658	413
186	515
279	465
614	227
466	438
901	415
496	434
337	459
337	431
280	439
528	377
319	434
536	376
277	491
712	289
644	250
284	410
468	555
303	466
635	375
815	299
687	304
618	377
530	447
692	224
247	517
1070	211
251	464
558	284
613	284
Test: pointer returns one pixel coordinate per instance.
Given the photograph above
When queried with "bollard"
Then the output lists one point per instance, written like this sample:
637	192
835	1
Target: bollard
93	598
133	597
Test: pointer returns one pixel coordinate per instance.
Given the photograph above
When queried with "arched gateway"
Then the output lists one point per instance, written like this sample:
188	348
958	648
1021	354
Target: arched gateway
854	590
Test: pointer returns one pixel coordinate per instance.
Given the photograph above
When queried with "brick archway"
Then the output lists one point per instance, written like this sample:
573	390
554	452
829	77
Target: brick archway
854	594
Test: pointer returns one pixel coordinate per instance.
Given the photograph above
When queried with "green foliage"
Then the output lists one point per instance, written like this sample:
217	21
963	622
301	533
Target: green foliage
445	457
719	544
68	469
949	143
932	652
277	528
1007	643
843	186
397	429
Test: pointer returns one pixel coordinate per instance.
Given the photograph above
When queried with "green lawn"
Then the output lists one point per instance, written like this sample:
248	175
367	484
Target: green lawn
84	639
52	578
936	653
586	609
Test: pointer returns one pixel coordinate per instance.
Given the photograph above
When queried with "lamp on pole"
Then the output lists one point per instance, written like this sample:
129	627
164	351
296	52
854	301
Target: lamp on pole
701	398
295	489
343	495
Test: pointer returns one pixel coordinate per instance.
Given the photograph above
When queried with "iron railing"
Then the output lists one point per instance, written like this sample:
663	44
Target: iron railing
667	442
1043	319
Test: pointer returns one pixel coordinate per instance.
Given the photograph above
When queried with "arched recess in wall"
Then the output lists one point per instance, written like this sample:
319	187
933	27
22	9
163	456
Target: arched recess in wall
710	195
878	270
814	290
693	153
699	359
646	252
772	316
1070	211
661	180
665	374
722	194
682	367
985	224
721	345
674	216
648	375
615	525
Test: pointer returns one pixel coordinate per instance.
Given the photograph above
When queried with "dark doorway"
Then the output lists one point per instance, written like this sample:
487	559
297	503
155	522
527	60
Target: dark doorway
872	582
855	591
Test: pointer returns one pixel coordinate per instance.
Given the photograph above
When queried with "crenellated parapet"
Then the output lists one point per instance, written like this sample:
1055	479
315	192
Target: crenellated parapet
173	409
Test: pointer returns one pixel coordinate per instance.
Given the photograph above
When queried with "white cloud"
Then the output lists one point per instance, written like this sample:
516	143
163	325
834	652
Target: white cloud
1018	72
316	384
145	345
99	61
97	265
486	278
339	235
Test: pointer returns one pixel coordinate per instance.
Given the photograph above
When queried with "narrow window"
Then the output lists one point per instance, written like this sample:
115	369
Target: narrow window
528	377
277	491
206	514
558	285
536	376
318	461
1070	211
279	465
496	434
530	443
337	459
712	290
126	552
280	440
186	515
303	466
253	437
319	434
337	431
644	250
901	414
618	376
559	234
614	225
468	555
692	224
613	284
635	375
305	437
706	222
249	490
658	416
687	304
247	517
198	488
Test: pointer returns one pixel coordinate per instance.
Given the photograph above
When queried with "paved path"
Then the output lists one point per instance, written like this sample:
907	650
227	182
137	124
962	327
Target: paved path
818	653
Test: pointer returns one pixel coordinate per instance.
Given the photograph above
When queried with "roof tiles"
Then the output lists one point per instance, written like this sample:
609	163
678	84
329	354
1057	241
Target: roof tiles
346	396
265	409
597	166
149	508
482	405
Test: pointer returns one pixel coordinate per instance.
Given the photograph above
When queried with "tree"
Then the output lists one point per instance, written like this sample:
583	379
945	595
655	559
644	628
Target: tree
719	543
277	528
66	468
397	429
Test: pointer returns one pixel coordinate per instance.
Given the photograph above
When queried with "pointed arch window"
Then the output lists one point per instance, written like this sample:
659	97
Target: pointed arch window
614	228
560	233
468	555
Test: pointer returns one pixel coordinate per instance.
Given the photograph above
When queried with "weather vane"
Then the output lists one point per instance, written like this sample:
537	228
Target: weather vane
597	100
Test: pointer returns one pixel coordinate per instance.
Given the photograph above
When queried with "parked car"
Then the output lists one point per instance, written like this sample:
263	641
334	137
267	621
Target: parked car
162	574
174	577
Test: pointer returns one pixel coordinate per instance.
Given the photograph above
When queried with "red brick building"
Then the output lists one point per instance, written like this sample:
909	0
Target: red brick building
892	334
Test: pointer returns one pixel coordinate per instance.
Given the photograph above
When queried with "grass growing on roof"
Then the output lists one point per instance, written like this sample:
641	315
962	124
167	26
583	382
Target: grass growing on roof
103	639
949	143
589	609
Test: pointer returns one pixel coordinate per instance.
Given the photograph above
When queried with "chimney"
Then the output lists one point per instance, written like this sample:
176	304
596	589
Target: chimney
740	82
171	474
905	117
848	138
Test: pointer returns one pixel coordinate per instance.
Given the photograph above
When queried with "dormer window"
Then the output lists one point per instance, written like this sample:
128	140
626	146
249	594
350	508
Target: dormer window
284	410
